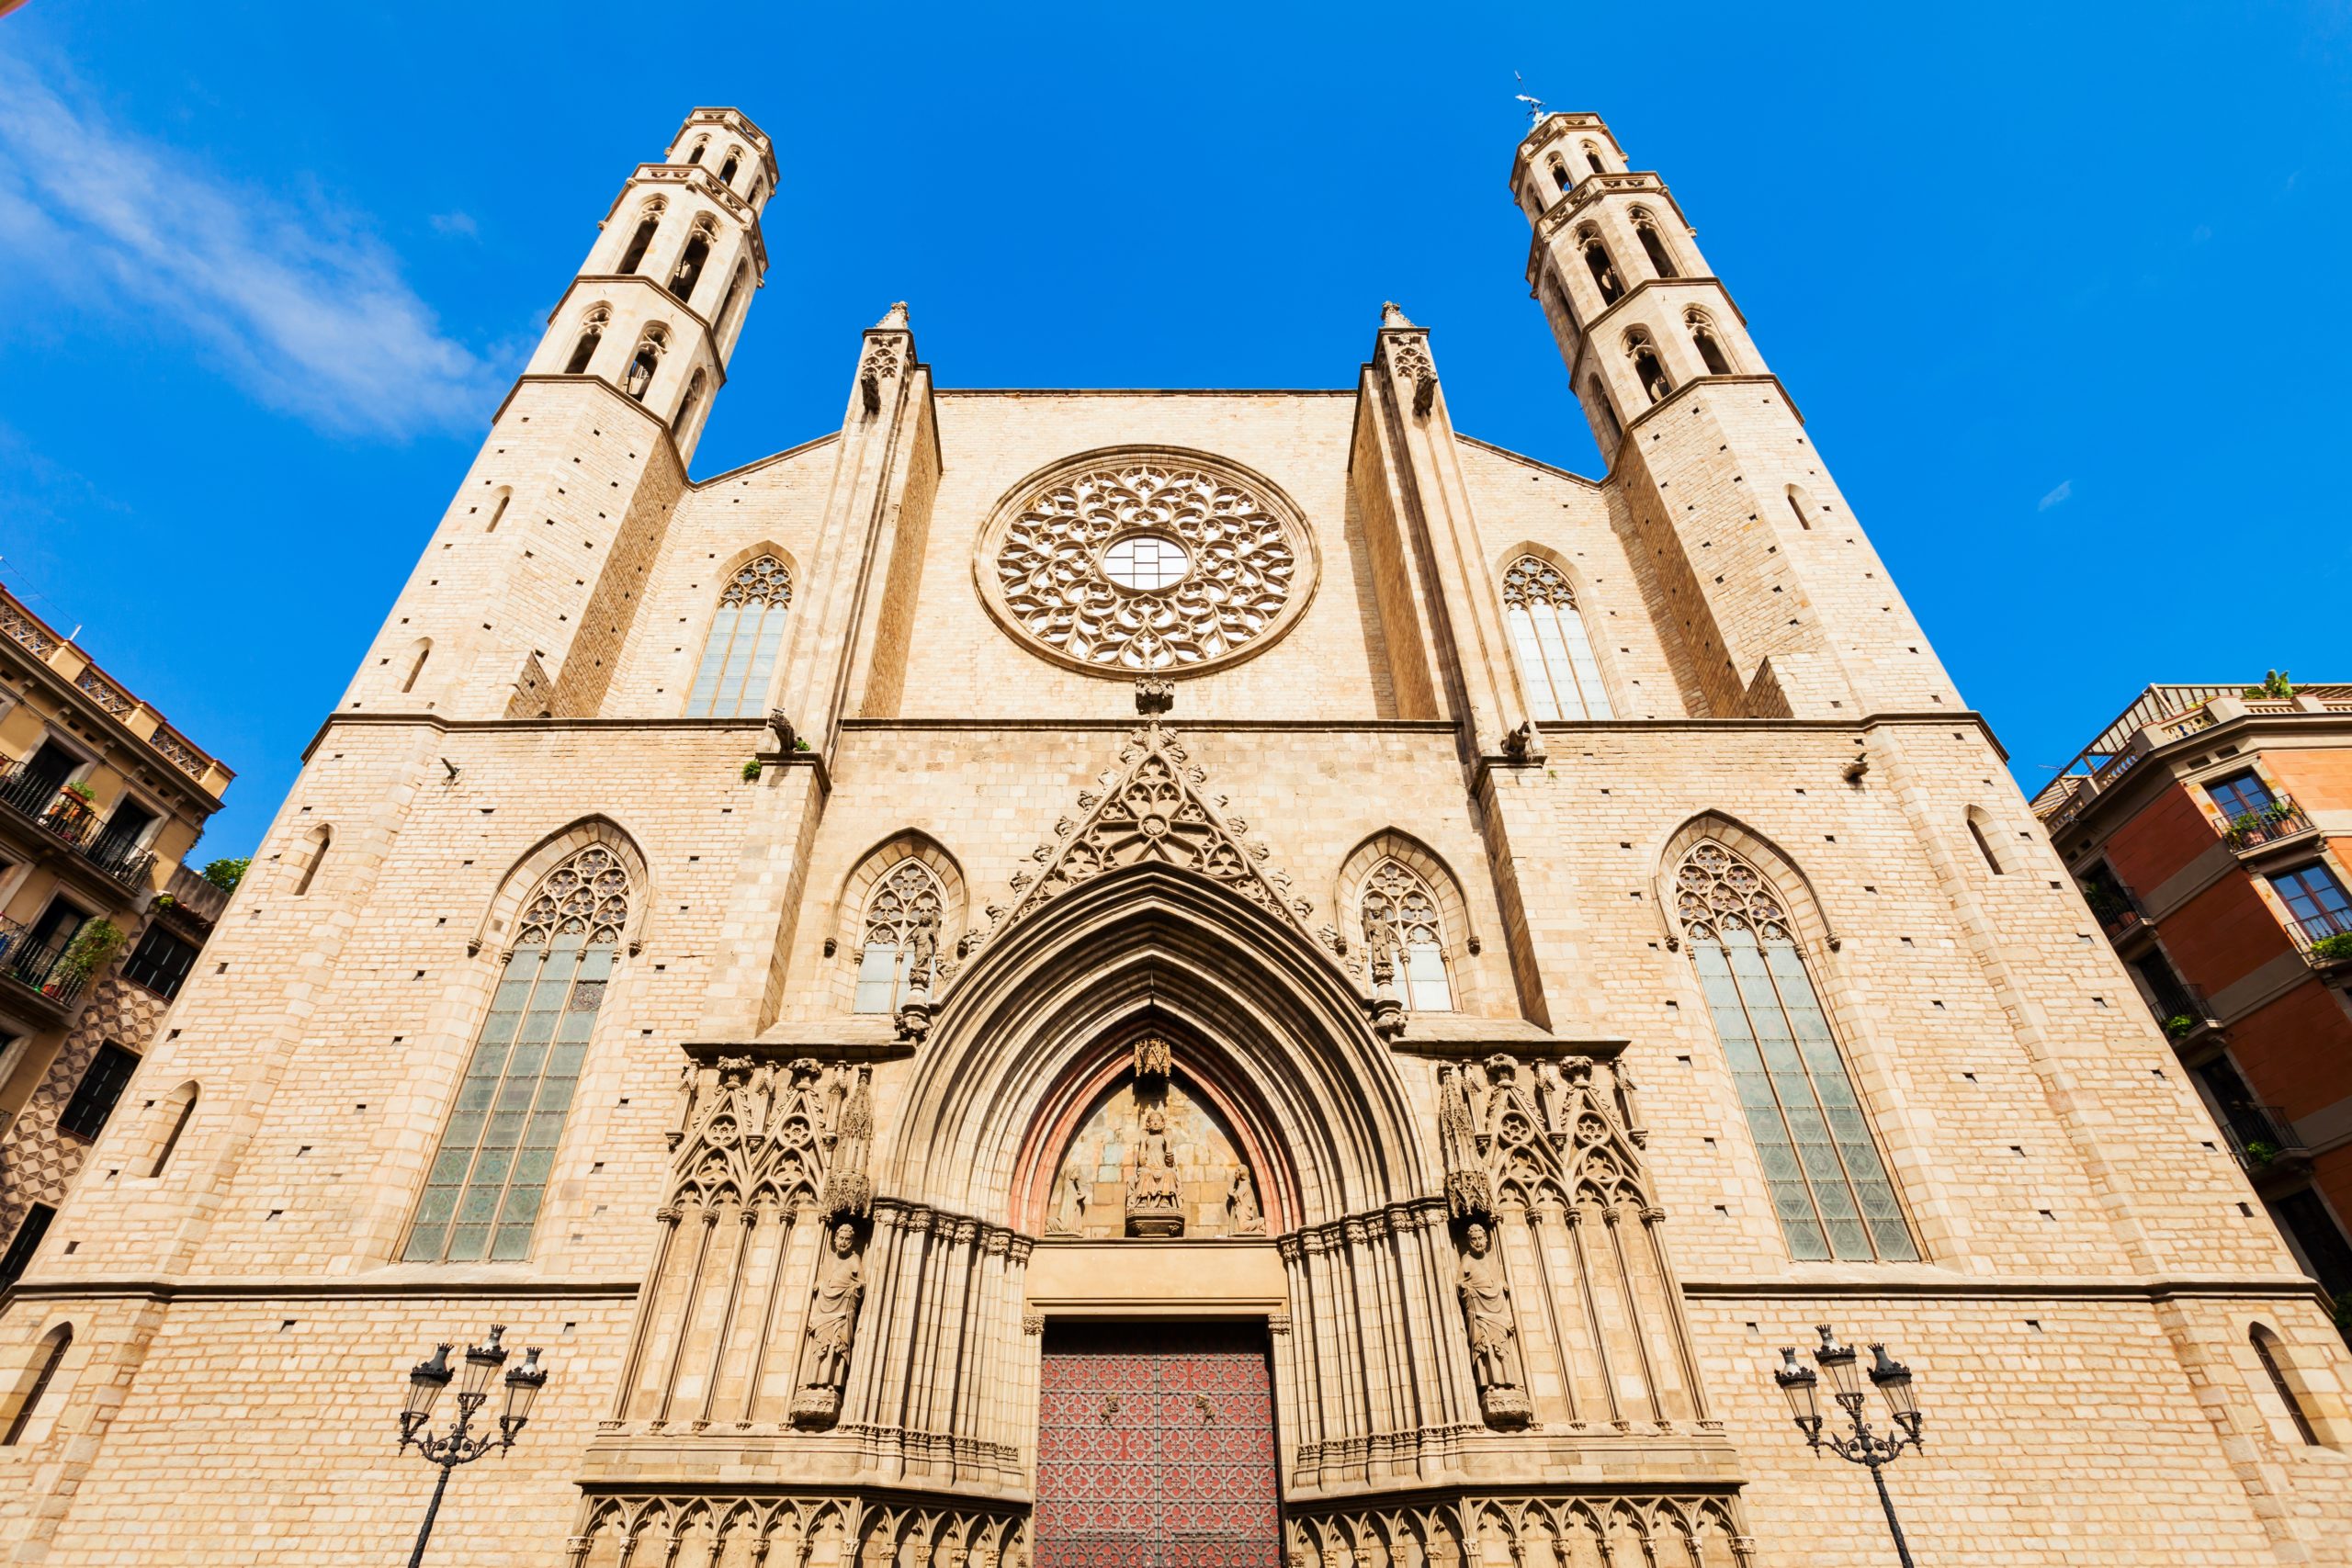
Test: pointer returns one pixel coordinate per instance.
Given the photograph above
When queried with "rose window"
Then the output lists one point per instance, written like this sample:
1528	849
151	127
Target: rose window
1129	564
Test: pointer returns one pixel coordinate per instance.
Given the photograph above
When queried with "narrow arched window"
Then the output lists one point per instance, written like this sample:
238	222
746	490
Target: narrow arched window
1703	338
734	292
1653	244
734	161
1554	654
638	241
483	1189
1800	503
59	1341
2266	1351
739	657
1830	1191
1984	845
688	271
687	404
1400	919
314	855
1592	159
497	509
902	916
700	147
1610	431
583	348
185	1097
645	361
1648	370
1604	271
418	654
1560	176
752	194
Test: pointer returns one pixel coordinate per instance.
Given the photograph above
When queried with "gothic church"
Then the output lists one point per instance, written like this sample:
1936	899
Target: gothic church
1152	978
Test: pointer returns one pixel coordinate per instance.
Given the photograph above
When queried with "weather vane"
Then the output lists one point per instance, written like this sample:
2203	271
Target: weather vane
1534	104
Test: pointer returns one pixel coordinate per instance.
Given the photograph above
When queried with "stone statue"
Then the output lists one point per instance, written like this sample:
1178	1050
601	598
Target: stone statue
1242	1197
832	1322
1494	1331
1070	1210
923	944
1155	1199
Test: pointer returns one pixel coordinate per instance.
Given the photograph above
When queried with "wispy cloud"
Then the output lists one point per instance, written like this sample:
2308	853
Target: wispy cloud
2058	497
455	223
303	307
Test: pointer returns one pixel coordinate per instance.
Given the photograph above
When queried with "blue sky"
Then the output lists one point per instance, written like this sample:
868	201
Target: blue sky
2057	288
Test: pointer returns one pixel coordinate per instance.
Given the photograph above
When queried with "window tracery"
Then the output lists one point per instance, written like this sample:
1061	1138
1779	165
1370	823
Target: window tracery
1647	368
1401	922
1554	653
1830	1190
1709	347
1138	565
903	917
591	333
483	1189
739	657
646	361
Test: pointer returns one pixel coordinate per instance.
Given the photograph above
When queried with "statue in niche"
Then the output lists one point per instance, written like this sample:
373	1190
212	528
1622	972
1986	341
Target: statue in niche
1069	1207
1155	1198
1494	1331
1242	1197
832	1322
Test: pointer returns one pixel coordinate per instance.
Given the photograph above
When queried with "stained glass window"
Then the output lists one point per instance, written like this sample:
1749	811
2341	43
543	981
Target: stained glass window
739	656
1830	1190
904	902
1554	655
1400	914
483	1193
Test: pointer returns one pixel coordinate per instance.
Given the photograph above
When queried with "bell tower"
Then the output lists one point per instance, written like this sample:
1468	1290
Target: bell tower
1781	608
526	591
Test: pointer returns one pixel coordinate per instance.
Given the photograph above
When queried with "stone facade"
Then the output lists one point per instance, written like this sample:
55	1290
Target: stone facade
1145	786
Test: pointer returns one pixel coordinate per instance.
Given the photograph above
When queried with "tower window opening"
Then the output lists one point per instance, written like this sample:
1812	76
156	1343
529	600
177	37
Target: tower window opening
1604	271
1554	655
645	361
498	509
902	921
591	333
734	293
688	271
2266	1351
1653	244
688	405
1560	176
61	1340
738	656
419	654
727	170
1800	502
1647	366
700	147
1984	845
315	855
1400	919
1606	415
634	255
1592	159
1702	337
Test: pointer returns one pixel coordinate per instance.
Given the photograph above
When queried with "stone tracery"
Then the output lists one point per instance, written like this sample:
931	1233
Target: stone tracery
1235	555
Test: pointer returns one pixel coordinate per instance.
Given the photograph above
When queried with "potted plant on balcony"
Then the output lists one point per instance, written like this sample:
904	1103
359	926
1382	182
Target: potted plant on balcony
2333	949
2179	1025
2244	829
2260	1152
92	949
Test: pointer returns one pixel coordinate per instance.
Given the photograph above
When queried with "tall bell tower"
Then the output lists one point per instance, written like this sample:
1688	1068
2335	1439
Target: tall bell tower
1782	607
524	592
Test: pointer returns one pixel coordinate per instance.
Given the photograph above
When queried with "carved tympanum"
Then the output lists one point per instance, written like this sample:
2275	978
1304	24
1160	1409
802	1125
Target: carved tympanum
1154	1196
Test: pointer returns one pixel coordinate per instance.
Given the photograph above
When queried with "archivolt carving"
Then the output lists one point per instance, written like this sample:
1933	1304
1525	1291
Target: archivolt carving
791	1532
1140	562
1651	1531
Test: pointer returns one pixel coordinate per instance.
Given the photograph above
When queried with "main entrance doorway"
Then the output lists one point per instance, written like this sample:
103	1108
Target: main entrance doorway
1156	1447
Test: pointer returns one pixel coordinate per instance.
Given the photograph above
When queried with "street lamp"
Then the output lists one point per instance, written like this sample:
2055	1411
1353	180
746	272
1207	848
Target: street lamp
460	1444
1801	1385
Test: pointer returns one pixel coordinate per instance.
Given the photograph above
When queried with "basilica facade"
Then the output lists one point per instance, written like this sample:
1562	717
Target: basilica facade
1137	977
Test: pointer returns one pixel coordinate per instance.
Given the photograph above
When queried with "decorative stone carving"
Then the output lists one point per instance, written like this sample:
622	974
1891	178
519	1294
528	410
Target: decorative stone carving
1241	1201
832	1324
1155	1198
1154	1059
752	1527
1070	1206
1494	1331
1088	1198
1126	564
1703	1529
849	1191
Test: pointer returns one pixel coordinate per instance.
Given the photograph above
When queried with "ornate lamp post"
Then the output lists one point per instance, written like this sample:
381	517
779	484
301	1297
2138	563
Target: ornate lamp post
459	1444
1877	1449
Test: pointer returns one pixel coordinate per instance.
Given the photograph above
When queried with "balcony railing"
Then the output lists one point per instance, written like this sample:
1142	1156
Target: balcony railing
2282	818
2116	907
36	965
40	799
2262	1138
2325	939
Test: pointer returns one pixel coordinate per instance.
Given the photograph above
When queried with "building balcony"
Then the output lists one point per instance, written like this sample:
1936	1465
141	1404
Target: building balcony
37	801
35	971
2190	1025
2120	915
2267	1147
2325	943
2257	833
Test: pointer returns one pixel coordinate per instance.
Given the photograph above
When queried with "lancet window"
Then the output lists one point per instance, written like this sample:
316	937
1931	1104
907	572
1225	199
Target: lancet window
1653	244
483	1189
646	361
1709	347
902	919
1830	1190
690	260
689	403
1554	655
1596	260
1400	919
1647	369
591	333
643	238
1560	176
739	658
